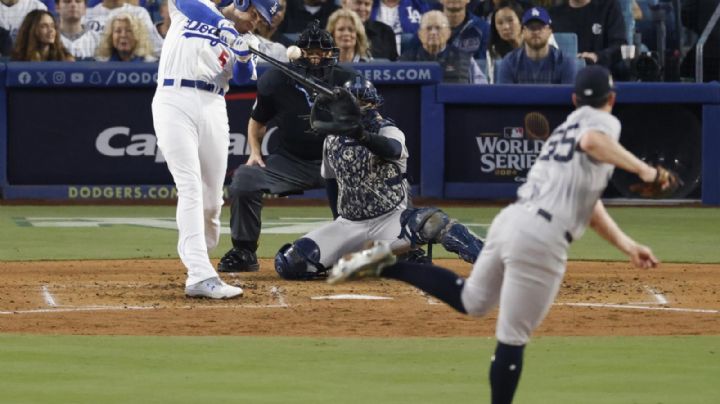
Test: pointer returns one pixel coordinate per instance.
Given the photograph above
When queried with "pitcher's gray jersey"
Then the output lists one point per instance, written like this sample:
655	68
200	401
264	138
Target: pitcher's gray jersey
564	180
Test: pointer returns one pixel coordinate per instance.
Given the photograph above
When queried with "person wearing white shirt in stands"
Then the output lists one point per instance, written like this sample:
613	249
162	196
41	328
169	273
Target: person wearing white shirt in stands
97	17
78	40
13	12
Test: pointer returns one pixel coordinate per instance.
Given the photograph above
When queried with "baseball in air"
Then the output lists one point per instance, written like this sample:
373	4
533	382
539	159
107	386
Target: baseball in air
293	52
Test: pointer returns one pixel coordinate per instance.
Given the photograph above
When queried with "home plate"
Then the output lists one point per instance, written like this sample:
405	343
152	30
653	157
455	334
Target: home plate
351	297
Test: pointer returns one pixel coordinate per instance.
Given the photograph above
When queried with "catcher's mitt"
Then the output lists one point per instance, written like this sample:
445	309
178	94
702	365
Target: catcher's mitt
665	184
336	114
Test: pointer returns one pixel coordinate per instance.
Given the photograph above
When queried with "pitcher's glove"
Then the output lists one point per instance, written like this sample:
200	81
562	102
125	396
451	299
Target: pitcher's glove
336	114
665	184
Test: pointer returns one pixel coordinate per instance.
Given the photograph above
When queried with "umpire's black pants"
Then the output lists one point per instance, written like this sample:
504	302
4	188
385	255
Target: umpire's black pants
283	174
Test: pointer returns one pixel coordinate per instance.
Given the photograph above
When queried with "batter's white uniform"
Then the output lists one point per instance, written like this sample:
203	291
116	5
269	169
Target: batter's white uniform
191	125
11	17
344	235
523	261
98	16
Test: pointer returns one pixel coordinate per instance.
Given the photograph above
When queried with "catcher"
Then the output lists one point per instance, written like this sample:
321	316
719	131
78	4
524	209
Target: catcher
365	160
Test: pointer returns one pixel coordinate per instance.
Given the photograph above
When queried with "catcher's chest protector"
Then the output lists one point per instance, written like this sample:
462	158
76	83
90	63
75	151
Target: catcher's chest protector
368	186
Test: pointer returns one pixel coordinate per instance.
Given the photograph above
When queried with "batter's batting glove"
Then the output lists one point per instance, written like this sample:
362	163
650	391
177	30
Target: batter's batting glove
243	43
226	32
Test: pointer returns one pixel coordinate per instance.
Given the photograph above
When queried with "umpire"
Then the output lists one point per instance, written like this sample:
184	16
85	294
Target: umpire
295	165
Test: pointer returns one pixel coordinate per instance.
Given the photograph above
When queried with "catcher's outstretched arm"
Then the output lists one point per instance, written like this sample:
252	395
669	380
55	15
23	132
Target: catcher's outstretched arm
603	148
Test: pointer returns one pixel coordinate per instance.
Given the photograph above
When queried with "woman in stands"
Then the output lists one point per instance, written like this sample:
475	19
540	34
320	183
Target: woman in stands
38	40
125	40
505	31
348	32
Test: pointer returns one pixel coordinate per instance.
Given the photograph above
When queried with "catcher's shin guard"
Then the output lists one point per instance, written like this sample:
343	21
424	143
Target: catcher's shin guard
423	225
459	240
432	225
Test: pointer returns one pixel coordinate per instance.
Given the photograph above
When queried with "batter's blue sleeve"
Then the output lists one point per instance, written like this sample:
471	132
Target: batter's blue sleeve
198	11
242	72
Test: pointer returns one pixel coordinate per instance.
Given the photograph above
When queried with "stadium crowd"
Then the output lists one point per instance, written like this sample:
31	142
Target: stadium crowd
475	41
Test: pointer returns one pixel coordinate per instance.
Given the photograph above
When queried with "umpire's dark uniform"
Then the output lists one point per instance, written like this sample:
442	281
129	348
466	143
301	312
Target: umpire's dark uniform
292	168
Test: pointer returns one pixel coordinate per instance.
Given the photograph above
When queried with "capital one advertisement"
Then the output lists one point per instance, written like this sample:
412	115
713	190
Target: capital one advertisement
488	144
105	136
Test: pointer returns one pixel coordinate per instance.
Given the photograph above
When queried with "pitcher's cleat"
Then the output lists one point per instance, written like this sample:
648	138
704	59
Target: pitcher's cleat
365	263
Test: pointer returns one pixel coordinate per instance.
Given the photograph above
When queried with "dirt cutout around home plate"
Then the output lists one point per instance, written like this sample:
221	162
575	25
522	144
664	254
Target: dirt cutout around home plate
145	297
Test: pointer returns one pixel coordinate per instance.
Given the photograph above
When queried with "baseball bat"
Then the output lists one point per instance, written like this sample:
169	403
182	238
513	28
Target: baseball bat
304	80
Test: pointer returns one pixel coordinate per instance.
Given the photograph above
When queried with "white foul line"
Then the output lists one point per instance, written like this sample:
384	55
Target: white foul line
49	299
637	307
56	308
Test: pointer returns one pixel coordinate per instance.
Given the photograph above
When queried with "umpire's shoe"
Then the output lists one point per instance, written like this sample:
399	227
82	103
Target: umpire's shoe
239	260
365	263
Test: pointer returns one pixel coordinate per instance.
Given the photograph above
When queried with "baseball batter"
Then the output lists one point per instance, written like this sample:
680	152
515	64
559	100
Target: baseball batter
201	53
523	261
368	164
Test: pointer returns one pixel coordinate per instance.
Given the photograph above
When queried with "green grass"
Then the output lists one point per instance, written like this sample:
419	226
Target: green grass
176	370
558	370
675	234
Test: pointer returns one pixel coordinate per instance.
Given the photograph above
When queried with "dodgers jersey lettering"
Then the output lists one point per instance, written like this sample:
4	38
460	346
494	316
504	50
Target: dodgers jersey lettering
565	181
192	51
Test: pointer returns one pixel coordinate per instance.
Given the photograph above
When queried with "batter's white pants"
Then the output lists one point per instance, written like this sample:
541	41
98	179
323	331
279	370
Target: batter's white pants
344	236
520	267
192	129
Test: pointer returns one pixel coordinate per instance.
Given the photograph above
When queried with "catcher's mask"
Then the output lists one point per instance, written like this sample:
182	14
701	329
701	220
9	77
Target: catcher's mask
365	92
368	99
318	49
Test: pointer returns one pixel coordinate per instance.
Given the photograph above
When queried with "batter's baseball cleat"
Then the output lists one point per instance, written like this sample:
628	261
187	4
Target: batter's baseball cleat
239	260
214	288
365	263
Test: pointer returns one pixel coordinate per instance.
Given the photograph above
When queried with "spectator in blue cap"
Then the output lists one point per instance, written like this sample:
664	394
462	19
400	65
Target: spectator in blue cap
536	62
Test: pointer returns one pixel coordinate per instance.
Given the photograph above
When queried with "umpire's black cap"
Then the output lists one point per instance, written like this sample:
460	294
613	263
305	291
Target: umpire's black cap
593	83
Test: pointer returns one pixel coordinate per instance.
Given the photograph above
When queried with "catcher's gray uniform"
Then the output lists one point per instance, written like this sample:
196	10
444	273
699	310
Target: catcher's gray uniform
523	261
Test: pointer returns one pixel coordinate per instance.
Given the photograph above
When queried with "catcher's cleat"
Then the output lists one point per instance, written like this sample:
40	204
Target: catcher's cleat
239	260
365	263
213	288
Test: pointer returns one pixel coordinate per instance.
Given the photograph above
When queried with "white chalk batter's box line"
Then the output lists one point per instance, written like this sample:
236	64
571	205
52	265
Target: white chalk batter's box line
53	307
278	295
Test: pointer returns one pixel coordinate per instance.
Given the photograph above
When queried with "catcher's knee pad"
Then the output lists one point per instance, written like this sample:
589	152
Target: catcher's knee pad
458	239
299	260
423	225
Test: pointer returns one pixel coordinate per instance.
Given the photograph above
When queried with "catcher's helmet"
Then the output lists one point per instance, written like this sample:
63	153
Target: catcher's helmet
266	8
364	91
314	37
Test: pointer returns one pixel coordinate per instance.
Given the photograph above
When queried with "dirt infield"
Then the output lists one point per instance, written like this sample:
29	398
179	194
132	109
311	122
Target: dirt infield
145	297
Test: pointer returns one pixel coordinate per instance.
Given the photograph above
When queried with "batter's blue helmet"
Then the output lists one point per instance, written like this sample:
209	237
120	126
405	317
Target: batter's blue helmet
266	8
364	91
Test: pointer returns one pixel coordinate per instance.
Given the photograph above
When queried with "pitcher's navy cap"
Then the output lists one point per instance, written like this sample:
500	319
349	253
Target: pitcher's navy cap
593	82
536	13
